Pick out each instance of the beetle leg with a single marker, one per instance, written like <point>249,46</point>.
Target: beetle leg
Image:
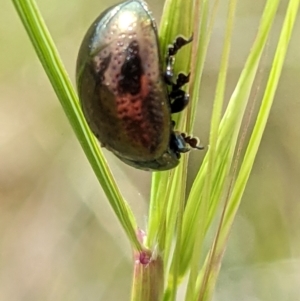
<point>177,44</point>
<point>182,79</point>
<point>180,99</point>
<point>178,144</point>
<point>182,143</point>
<point>193,142</point>
<point>170,59</point>
<point>169,71</point>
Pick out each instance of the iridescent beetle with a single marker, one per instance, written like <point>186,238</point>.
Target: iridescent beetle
<point>124,92</point>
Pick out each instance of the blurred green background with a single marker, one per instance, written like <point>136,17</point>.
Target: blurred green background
<point>59,239</point>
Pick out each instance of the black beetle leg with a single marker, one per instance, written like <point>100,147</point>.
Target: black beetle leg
<point>177,44</point>
<point>182,79</point>
<point>193,142</point>
<point>170,59</point>
<point>182,143</point>
<point>178,144</point>
<point>178,98</point>
<point>169,71</point>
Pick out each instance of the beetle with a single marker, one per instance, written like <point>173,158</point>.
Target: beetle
<point>125,96</point>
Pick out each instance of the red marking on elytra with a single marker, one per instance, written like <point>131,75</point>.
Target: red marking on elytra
<point>130,110</point>
<point>130,106</point>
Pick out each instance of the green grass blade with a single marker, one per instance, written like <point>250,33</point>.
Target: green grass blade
<point>227,140</point>
<point>247,164</point>
<point>212,154</point>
